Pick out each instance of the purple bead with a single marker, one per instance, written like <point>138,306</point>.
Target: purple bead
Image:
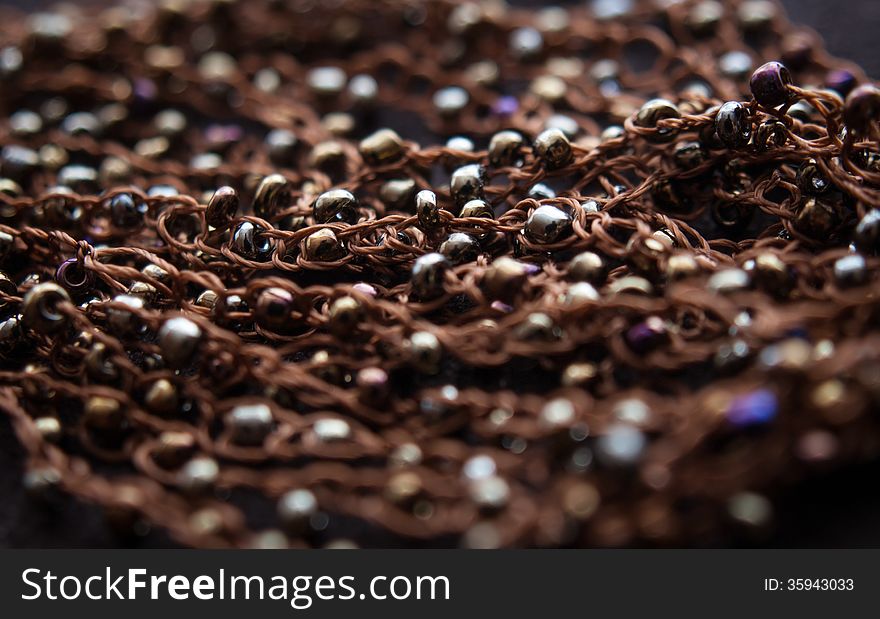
<point>646,335</point>
<point>505,106</point>
<point>755,408</point>
<point>144,89</point>
<point>769,84</point>
<point>841,81</point>
<point>223,135</point>
<point>74,277</point>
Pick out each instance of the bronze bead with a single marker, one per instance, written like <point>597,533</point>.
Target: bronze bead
<point>274,309</point>
<point>553,148</point>
<point>345,315</point>
<point>40,308</point>
<point>505,278</point>
<point>681,266</point>
<point>222,207</point>
<point>817,218</point>
<point>104,414</point>
<point>179,340</point>
<point>173,449</point>
<point>587,267</point>
<point>124,320</point>
<point>323,246</point>
<point>336,205</point>
<point>382,147</point>
<point>250,424</point>
<point>273,195</point>
<point>428,274</point>
<point>162,397</point>
<point>425,352</point>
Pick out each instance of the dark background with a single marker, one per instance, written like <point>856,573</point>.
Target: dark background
<point>838,510</point>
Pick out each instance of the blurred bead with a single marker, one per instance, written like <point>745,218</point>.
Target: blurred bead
<point>460,143</point>
<point>373,384</point>
<point>547,224</point>
<point>733,125</point>
<point>41,483</point>
<point>580,292</point>
<point>505,148</point>
<point>323,246</point>
<point>553,148</point>
<point>326,81</point>
<point>382,147</point>
<point>867,233</point>
<point>538,327</point>
<point>179,340</point>
<point>689,155</point>
<point>331,430</point>
<point>281,146</point>
<point>526,42</point>
<point>851,270</point>
<point>344,316</point>
<point>621,446</point>
<point>772,274</point>
<point>841,81</point>
<point>273,195</point>
<point>328,156</point>
<point>173,449</point>
<point>754,408</point>
<point>427,210</point>
<point>7,287</point>
<point>49,429</point>
<point>450,101</point>
<point>817,218</point>
<point>80,178</point>
<point>161,397</point>
<point>126,212</point>
<point>428,274</point>
<point>459,248</point>
<point>769,84</point>
<point>250,424</point>
<point>756,14</point>
<point>273,309</point>
<point>363,89</point>
<point>651,113</point>
<point>397,194</point>
<point>588,267</point>
<point>490,494</point>
<point>74,277</point>
<point>249,242</point>
<point>466,183</point>
<point>199,475</point>
<point>735,64</point>
<point>124,320</point>
<point>703,18</point>
<point>728,281</point>
<point>681,266</point>
<point>750,509</point>
<point>103,414</point>
<point>114,171</point>
<point>505,278</point>
<point>222,207</point>
<point>295,508</point>
<point>862,108</point>
<point>336,205</point>
<point>647,335</point>
<point>541,191</point>
<point>425,351</point>
<point>40,308</point>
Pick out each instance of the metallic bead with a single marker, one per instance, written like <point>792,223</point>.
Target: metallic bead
<point>553,148</point>
<point>810,179</point>
<point>460,247</point>
<point>505,148</point>
<point>579,374</point>
<point>373,384</point>
<point>427,210</point>
<point>326,81</point>
<point>735,64</point>
<point>756,14</point>
<point>207,299</point>
<point>363,89</point>
<point>772,274</point>
<point>99,366</point>
<point>80,178</point>
<point>274,309</point>
<point>568,125</point>
<point>173,449</point>
<point>450,101</point>
<point>547,224</point>
<point>490,494</point>
<point>428,274</point>
<point>42,483</point>
<point>466,183</point>
<point>862,108</point>
<point>541,191</point>
<point>477,208</point>
<point>179,341</point>
<point>817,218</point>
<point>10,336</point>
<point>170,123</point>
<point>526,43</point>
<point>538,326</point>
<point>728,281</point>
<point>397,194</point>
<point>382,147</point>
<point>124,320</point>
<point>295,508</point>
<point>770,134</point>
<point>651,113</point>
<point>867,233</point>
<point>851,270</point>
<point>7,244</point>
<point>733,125</point>
<point>281,146</point>
<point>579,292</point>
<point>222,207</point>
<point>7,287</point>
<point>273,194</point>
<point>104,414</point>
<point>621,446</point>
<point>769,84</point>
<point>331,430</point>
<point>689,155</point>
<point>323,246</point>
<point>74,277</point>
<point>49,428</point>
<point>40,308</point>
<point>336,205</point>
<point>249,242</point>
<point>126,212</point>
<point>587,267</point>
<point>250,424</point>
<point>161,397</point>
<point>18,162</point>
<point>425,352</point>
<point>403,488</point>
<point>460,143</point>
<point>345,315</point>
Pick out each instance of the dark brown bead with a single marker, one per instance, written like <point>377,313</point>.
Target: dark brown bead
<point>336,205</point>
<point>810,179</point>
<point>587,267</point>
<point>862,108</point>
<point>7,243</point>
<point>123,319</point>
<point>652,112</point>
<point>689,155</point>
<point>460,247</point>
<point>40,308</point>
<point>771,274</point>
<point>374,385</point>
<point>382,147</point>
<point>397,194</point>
<point>104,414</point>
<point>222,207</point>
<point>427,211</point>
<point>173,449</point>
<point>274,309</point>
<point>867,234</point>
<point>770,134</point>
<point>249,241</point>
<point>323,246</point>
<point>817,218</point>
<point>273,195</point>
<point>547,224</point>
<point>10,336</point>
<point>99,366</point>
<point>769,84</point>
<point>161,397</point>
<point>553,148</point>
<point>733,125</point>
<point>428,274</point>
<point>505,148</point>
<point>250,424</point>
<point>179,341</point>
<point>466,183</point>
<point>505,278</point>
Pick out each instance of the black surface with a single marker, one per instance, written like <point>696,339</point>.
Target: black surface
<point>840,510</point>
